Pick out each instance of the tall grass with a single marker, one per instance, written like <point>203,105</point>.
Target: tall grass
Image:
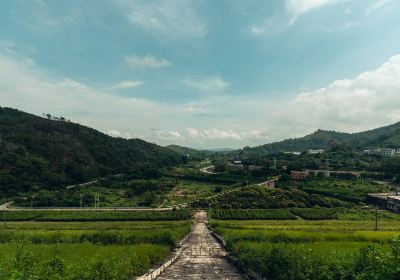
<point>77,261</point>
<point>314,249</point>
<point>85,250</point>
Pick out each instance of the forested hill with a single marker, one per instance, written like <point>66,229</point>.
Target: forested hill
<point>39,152</point>
<point>388,136</point>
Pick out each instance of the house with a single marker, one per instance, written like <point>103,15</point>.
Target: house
<point>390,201</point>
<point>298,175</point>
<point>385,152</point>
<point>255,167</point>
<point>315,152</point>
<point>292,153</point>
<point>393,203</point>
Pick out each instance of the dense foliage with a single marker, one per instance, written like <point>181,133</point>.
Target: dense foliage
<point>347,190</point>
<point>36,152</point>
<point>251,214</point>
<point>315,213</point>
<point>314,250</point>
<point>258,197</point>
<point>76,215</point>
<point>91,251</point>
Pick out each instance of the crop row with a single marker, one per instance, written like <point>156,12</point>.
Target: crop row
<point>67,216</point>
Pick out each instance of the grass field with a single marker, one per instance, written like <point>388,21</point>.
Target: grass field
<point>315,213</point>
<point>301,249</point>
<point>187,191</point>
<point>71,215</point>
<point>86,250</point>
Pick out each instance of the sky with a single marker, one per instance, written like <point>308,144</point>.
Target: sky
<point>204,73</point>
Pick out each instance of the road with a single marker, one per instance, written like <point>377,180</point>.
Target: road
<point>202,257</point>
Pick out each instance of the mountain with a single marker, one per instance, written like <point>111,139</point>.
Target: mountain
<point>184,150</point>
<point>197,154</point>
<point>388,136</point>
<point>44,152</point>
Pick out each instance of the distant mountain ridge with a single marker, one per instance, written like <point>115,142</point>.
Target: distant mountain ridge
<point>196,152</point>
<point>387,136</point>
<point>36,152</point>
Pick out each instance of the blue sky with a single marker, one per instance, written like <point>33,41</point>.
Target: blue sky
<point>204,73</point>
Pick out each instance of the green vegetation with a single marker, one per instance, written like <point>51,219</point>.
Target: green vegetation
<point>112,250</point>
<point>346,190</point>
<point>259,197</point>
<point>314,250</point>
<point>322,139</point>
<point>315,213</point>
<point>76,215</point>
<point>124,191</point>
<point>258,214</point>
<point>39,153</point>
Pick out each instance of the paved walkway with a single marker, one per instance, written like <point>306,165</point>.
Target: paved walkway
<point>202,257</point>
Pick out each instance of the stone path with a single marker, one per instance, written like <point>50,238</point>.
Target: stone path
<point>202,257</point>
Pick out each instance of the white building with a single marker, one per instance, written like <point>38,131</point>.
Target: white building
<point>314,152</point>
<point>386,152</point>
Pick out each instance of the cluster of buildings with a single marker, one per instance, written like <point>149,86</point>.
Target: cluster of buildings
<point>304,174</point>
<point>385,152</point>
<point>311,152</point>
<point>390,201</point>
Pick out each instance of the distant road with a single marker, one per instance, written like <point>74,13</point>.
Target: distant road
<point>89,183</point>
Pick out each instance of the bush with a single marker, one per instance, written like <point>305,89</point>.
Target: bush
<point>315,213</point>
<point>252,214</point>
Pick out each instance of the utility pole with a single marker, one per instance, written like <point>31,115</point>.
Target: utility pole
<point>98,201</point>
<point>95,201</point>
<point>81,201</point>
<point>4,216</point>
<point>274,167</point>
<point>376,218</point>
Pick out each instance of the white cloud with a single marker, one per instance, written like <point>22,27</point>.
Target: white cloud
<point>117,134</point>
<point>169,18</point>
<point>351,24</point>
<point>213,134</point>
<point>24,85</point>
<point>375,6</point>
<point>219,134</point>
<point>127,84</point>
<point>170,136</point>
<point>259,29</point>
<point>42,16</point>
<point>296,8</point>
<point>147,61</point>
<point>370,100</point>
<point>208,84</point>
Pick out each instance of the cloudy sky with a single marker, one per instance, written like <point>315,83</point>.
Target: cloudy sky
<point>204,73</point>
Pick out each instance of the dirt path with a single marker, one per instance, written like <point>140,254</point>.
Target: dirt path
<point>202,257</point>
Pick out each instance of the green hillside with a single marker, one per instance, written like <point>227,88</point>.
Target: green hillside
<point>187,151</point>
<point>388,136</point>
<point>38,152</point>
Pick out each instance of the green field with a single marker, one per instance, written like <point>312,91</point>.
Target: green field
<point>76,215</point>
<point>314,249</point>
<point>122,192</point>
<point>86,250</point>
